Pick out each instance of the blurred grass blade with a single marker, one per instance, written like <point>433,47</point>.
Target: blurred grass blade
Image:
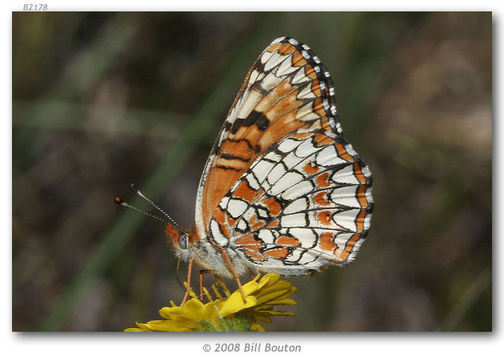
<point>77,78</point>
<point>466,301</point>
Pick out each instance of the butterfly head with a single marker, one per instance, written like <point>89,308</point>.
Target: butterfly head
<point>180,239</point>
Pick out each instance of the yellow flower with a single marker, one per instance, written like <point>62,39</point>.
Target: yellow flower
<point>227,313</point>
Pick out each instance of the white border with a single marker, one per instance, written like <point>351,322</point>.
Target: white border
<point>123,346</point>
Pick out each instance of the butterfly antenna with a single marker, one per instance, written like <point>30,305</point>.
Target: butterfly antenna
<point>137,191</point>
<point>119,201</point>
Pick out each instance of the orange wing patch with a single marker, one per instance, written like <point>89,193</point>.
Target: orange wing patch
<point>358,173</point>
<point>255,255</point>
<point>273,205</point>
<point>310,72</point>
<point>274,47</point>
<point>249,242</point>
<point>274,224</point>
<point>310,169</point>
<point>342,153</point>
<point>278,253</point>
<point>326,242</point>
<point>298,59</point>
<point>288,241</point>
<point>322,139</point>
<point>322,180</point>
<point>256,224</point>
<point>324,217</point>
<point>361,196</point>
<point>359,221</point>
<point>343,254</point>
<point>321,199</point>
<point>286,49</point>
<point>244,192</point>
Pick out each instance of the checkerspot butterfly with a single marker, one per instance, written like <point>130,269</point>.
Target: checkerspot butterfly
<point>282,190</point>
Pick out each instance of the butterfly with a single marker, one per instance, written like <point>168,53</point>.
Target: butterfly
<point>282,191</point>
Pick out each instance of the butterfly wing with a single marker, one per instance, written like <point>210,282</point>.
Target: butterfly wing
<point>286,90</point>
<point>304,203</point>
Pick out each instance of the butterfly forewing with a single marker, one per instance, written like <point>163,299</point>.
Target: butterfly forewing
<point>286,91</point>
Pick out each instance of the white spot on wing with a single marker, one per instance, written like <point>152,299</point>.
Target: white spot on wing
<point>306,93</point>
<point>369,196</point>
<point>262,213</point>
<point>367,222</point>
<point>253,76</point>
<point>350,150</point>
<point>273,156</point>
<point>293,220</point>
<point>236,207</point>
<point>266,236</point>
<point>300,76</point>
<point>346,219</point>
<point>345,176</point>
<point>261,170</point>
<point>252,182</point>
<point>248,104</point>
<point>288,145</point>
<point>270,81</point>
<point>306,148</point>
<point>276,173</point>
<point>345,196</point>
<point>291,160</point>
<point>328,156</point>
<point>365,170</point>
<point>305,236</point>
<point>298,190</point>
<point>266,56</point>
<point>287,181</point>
<point>296,206</point>
<point>216,233</point>
<point>242,225</point>
<point>274,61</point>
<point>224,202</point>
<point>306,113</point>
<point>342,238</point>
<point>286,67</point>
<point>306,258</point>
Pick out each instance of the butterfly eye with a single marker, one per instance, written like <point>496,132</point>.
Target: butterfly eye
<point>183,241</point>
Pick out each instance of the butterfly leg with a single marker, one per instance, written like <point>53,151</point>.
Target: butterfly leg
<point>188,288</point>
<point>230,267</point>
<point>201,273</point>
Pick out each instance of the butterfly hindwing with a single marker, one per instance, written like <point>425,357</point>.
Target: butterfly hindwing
<point>304,203</point>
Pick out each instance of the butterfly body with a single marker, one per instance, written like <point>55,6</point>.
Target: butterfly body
<point>282,190</point>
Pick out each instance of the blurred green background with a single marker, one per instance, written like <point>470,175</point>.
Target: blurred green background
<point>101,100</point>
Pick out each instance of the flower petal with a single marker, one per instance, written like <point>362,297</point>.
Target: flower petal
<point>235,304</point>
<point>262,295</point>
